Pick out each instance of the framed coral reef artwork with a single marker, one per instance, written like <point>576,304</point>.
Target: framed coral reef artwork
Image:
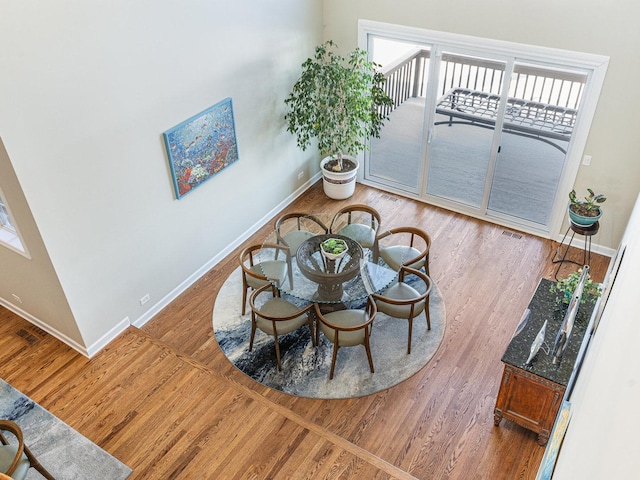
<point>201,147</point>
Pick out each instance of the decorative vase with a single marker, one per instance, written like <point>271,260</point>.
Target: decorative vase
<point>334,256</point>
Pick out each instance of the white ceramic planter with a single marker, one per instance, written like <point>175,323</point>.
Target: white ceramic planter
<point>334,256</point>
<point>339,185</point>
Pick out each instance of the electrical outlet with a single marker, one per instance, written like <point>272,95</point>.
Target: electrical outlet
<point>145,299</point>
<point>586,160</point>
<point>300,175</point>
<point>16,298</point>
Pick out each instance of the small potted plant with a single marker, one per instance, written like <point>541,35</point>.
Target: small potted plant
<point>339,102</point>
<point>333,248</point>
<point>585,212</point>
<point>566,286</point>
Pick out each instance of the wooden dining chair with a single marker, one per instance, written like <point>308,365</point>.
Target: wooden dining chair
<point>359,222</point>
<point>407,246</point>
<point>276,316</point>
<point>347,328</point>
<point>292,229</point>
<point>402,300</point>
<point>257,271</point>
<point>16,459</point>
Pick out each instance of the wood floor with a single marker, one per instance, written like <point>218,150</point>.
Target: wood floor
<point>165,401</point>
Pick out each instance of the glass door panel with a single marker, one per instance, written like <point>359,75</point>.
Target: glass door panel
<point>461,139</point>
<point>396,158</point>
<point>538,123</point>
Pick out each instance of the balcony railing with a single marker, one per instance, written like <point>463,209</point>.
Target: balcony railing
<point>542,103</point>
<point>542,95</point>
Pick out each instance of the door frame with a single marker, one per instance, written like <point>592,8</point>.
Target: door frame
<point>594,65</point>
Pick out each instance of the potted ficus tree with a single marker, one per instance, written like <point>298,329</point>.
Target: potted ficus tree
<point>585,212</point>
<point>337,101</point>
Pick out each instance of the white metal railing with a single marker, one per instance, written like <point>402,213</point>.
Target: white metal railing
<point>407,77</point>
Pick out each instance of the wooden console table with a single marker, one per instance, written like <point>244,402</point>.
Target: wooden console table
<point>530,396</point>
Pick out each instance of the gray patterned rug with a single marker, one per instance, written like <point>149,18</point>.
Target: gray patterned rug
<point>305,369</point>
<point>65,453</point>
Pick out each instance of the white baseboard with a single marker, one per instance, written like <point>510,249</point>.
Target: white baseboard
<point>103,341</point>
<point>191,279</point>
<point>47,328</point>
<point>579,242</point>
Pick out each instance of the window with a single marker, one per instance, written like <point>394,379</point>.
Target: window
<point>9,236</point>
<point>5,221</point>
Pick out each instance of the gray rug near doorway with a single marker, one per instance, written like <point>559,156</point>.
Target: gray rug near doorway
<point>65,453</point>
<point>305,369</point>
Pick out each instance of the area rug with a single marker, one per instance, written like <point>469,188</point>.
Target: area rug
<point>305,368</point>
<point>65,453</point>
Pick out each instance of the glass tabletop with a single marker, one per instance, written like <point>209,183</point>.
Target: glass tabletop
<point>307,274</point>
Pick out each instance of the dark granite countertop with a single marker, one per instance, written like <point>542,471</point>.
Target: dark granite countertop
<point>547,306</point>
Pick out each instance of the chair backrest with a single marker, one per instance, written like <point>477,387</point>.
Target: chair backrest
<point>249,257</point>
<point>292,229</point>
<point>277,316</point>
<point>417,238</point>
<point>348,215</point>
<point>370,310</point>
<point>404,271</point>
<point>257,310</point>
<point>303,221</point>
<point>12,427</point>
<point>24,459</point>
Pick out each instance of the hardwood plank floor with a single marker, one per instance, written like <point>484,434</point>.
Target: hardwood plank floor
<point>166,402</point>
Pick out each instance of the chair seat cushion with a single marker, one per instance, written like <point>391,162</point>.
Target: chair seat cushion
<point>295,238</point>
<point>403,292</point>
<point>273,269</point>
<point>7,454</point>
<point>363,234</point>
<point>396,255</point>
<point>346,318</point>
<point>278,307</point>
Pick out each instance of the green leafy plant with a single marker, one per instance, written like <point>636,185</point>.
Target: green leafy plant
<point>334,246</point>
<point>337,100</point>
<point>566,287</point>
<point>589,207</point>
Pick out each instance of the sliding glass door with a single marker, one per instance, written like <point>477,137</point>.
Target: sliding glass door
<point>541,113</point>
<point>476,130</point>
<point>462,138</point>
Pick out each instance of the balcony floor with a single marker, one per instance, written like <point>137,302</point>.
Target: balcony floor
<point>525,179</point>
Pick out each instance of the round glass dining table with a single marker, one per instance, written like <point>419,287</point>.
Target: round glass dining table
<point>307,275</point>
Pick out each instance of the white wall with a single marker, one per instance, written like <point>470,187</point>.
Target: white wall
<point>605,28</point>
<point>86,90</point>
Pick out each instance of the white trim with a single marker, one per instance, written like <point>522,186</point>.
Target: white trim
<point>481,45</point>
<point>47,328</point>
<point>111,335</point>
